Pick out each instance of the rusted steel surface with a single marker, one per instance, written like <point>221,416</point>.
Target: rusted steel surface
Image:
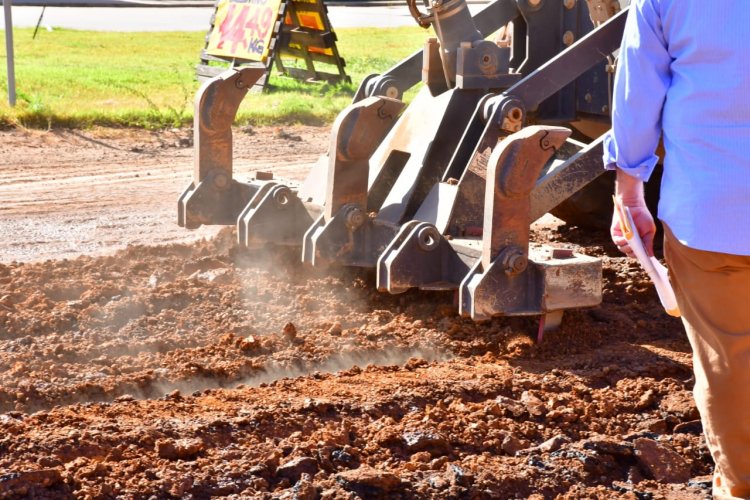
<point>427,132</point>
<point>356,134</point>
<point>508,278</point>
<point>420,257</point>
<point>214,197</point>
<point>511,174</point>
<point>601,10</point>
<point>275,215</point>
<point>566,179</point>
<point>216,106</point>
<point>344,233</point>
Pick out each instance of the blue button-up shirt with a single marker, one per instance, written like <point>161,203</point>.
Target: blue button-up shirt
<point>684,74</point>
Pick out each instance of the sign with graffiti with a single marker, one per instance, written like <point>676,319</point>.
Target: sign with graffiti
<point>293,35</point>
<point>243,29</point>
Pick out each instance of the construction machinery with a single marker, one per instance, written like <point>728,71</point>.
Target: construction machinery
<point>440,195</point>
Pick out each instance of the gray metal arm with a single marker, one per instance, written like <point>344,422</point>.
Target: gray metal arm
<point>407,73</point>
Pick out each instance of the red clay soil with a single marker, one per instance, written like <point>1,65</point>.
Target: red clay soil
<point>190,370</point>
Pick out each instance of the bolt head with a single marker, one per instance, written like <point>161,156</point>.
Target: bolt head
<point>355,217</point>
<point>221,180</point>
<point>514,261</point>
<point>518,263</point>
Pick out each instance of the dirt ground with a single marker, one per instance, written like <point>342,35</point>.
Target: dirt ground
<point>64,193</point>
<point>138,360</point>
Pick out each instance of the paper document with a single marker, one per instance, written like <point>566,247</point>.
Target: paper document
<point>656,271</point>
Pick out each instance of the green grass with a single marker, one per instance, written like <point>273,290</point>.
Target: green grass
<point>68,78</point>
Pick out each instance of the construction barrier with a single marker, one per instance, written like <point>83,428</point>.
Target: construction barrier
<point>307,35</point>
<point>261,32</point>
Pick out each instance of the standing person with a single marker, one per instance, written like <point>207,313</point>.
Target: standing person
<point>684,75</point>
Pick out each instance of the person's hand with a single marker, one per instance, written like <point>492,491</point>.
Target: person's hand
<point>629,190</point>
<point>644,225</point>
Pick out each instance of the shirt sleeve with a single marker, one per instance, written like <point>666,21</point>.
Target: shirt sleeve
<point>643,77</point>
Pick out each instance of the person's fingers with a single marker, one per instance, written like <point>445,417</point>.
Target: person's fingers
<point>647,231</point>
<point>615,233</point>
<point>626,250</point>
<point>614,229</point>
<point>648,243</point>
<point>644,225</point>
<point>622,245</point>
<point>619,240</point>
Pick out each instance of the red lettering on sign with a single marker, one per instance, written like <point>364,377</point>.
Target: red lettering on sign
<point>234,33</point>
<point>265,21</point>
<point>259,22</point>
<point>243,29</point>
<point>252,24</point>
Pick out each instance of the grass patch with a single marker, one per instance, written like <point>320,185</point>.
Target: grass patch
<point>68,78</point>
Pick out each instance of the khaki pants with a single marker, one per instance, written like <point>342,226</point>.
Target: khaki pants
<point>713,292</point>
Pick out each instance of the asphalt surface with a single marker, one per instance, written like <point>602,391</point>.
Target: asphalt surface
<point>192,18</point>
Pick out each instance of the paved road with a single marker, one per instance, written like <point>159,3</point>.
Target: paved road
<point>190,19</point>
